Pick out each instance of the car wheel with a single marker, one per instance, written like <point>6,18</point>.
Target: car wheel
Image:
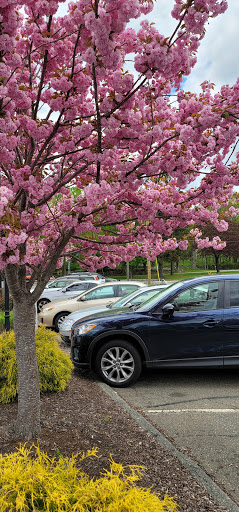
<point>118,363</point>
<point>59,319</point>
<point>41,303</point>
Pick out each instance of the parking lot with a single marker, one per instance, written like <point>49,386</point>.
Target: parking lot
<point>199,412</point>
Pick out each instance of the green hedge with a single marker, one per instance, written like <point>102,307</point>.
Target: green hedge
<point>32,481</point>
<point>54,365</point>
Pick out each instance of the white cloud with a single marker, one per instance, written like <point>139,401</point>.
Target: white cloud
<point>218,54</point>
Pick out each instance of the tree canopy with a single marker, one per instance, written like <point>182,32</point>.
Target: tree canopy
<point>72,115</point>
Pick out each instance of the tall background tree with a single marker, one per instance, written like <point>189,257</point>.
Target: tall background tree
<point>72,115</point>
<point>230,239</point>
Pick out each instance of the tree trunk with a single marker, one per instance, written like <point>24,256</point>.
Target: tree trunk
<point>160,265</point>
<point>171,267</point>
<point>28,418</point>
<point>217,256</point>
<point>194,258</point>
<point>161,276</point>
<point>127,270</point>
<point>149,271</point>
<point>159,260</point>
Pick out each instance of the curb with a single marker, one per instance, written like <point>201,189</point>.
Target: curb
<point>215,492</point>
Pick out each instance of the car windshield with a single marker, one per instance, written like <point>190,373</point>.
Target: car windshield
<point>120,302</point>
<point>150,303</point>
<point>58,284</point>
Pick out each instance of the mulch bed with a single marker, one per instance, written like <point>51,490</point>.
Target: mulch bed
<point>83,417</point>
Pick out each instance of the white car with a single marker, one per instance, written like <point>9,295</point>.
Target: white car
<point>68,292</point>
<point>61,282</point>
<point>133,299</point>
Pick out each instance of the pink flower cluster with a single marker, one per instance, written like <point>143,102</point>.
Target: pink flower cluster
<point>95,161</point>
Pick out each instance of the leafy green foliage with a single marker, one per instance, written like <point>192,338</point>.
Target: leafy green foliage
<point>54,365</point>
<point>32,481</point>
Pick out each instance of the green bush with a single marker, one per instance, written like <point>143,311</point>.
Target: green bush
<point>54,365</point>
<point>32,481</point>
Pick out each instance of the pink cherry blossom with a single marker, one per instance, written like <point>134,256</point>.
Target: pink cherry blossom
<point>94,161</point>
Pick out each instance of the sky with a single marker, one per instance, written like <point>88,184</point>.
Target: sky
<point>218,54</point>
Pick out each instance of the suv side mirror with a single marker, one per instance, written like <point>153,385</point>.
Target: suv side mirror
<point>168,309</point>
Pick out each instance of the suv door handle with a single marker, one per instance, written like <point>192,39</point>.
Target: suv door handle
<point>210,323</point>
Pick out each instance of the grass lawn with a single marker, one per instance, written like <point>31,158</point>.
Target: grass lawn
<point>178,276</point>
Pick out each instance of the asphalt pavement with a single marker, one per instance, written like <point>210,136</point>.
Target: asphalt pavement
<point>197,413</point>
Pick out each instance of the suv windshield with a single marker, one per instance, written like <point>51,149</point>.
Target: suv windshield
<point>154,300</point>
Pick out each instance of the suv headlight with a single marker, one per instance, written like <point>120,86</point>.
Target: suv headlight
<point>83,329</point>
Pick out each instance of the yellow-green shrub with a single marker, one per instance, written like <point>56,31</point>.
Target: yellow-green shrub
<point>54,365</point>
<point>34,482</point>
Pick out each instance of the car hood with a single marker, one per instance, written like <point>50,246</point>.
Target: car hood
<point>59,302</point>
<point>78,315</point>
<point>109,314</point>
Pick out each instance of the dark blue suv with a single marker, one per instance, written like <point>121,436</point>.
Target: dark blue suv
<point>192,323</point>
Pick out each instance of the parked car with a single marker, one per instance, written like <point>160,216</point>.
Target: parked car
<point>53,314</point>
<point>192,323</point>
<point>88,275</point>
<point>131,300</point>
<point>59,283</point>
<point>82,276</point>
<point>68,292</point>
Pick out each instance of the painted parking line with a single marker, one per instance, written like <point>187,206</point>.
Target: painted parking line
<point>192,410</point>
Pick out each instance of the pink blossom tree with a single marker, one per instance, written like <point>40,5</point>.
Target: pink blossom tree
<point>72,115</point>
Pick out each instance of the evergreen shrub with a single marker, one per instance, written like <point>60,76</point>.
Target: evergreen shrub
<point>54,365</point>
<point>32,481</point>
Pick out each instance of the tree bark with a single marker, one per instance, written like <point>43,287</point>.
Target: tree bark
<point>194,258</point>
<point>217,257</point>
<point>161,276</point>
<point>27,424</point>
<point>171,267</point>
<point>159,261</point>
<point>28,418</point>
<point>149,271</point>
<point>127,270</point>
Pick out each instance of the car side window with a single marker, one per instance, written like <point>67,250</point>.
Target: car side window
<point>202,297</point>
<point>58,284</point>
<point>101,293</point>
<point>75,287</point>
<point>124,289</point>
<point>233,294</point>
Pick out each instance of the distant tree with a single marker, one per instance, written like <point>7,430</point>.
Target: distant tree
<point>230,237</point>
